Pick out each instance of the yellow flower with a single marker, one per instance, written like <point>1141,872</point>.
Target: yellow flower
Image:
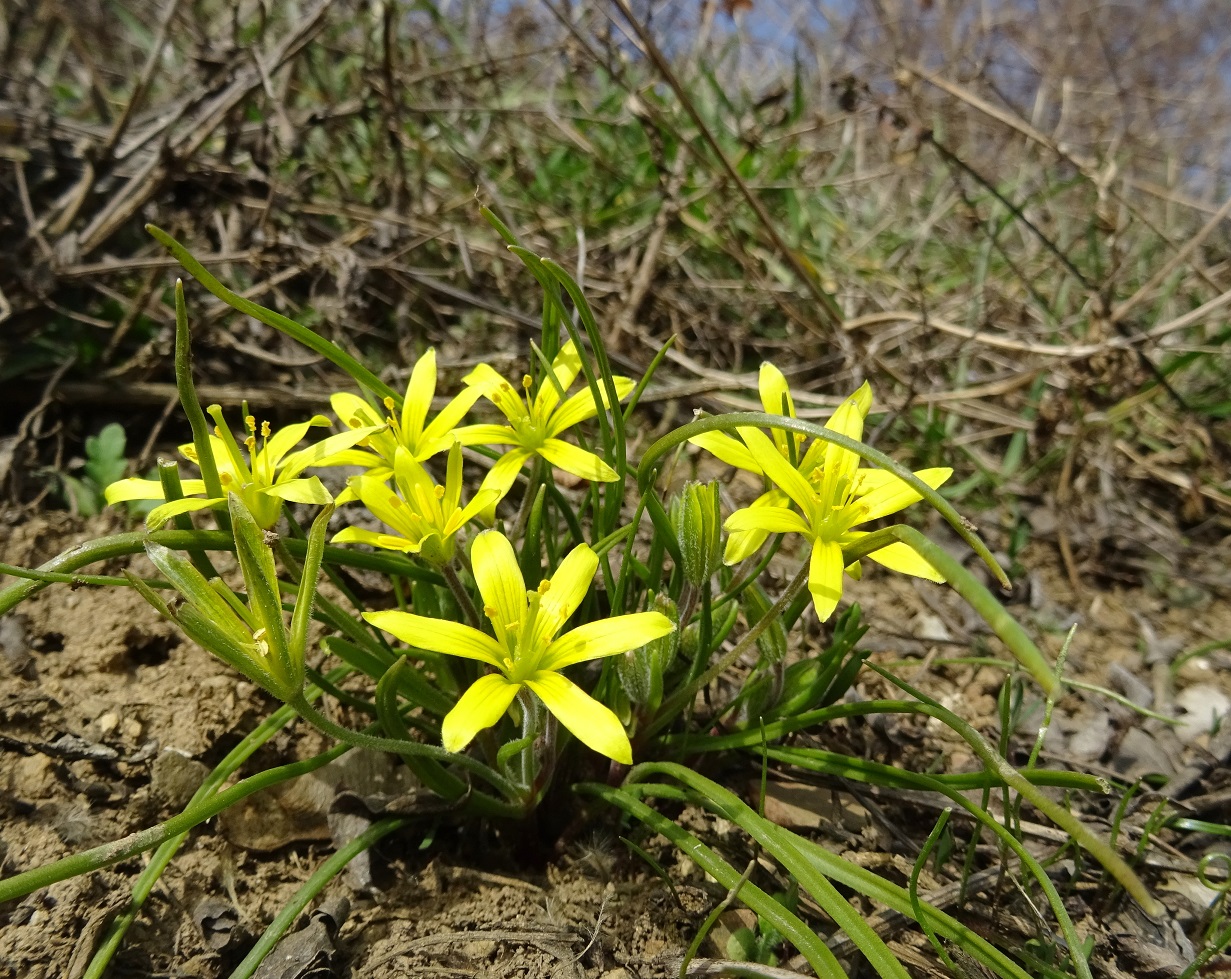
<point>776,399</point>
<point>262,477</point>
<point>411,432</point>
<point>424,515</point>
<point>526,650</point>
<point>535,425</point>
<point>834,496</point>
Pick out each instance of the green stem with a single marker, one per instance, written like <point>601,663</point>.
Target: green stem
<point>120,545</point>
<point>310,339</point>
<point>477,801</point>
<point>993,761</point>
<point>675,705</point>
<point>109,853</point>
<point>166,852</point>
<point>1007,628</point>
<point>326,872</point>
<point>462,596</point>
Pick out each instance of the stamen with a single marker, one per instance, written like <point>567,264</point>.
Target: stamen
<point>250,422</point>
<point>250,441</point>
<point>439,492</point>
<point>527,381</point>
<point>266,431</point>
<point>225,479</point>
<point>217,432</point>
<point>394,501</point>
<point>491,612</point>
<point>544,586</point>
<point>388,403</point>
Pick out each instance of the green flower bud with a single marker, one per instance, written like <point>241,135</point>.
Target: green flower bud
<point>253,638</point>
<point>641,670</point>
<point>771,642</point>
<point>697,522</point>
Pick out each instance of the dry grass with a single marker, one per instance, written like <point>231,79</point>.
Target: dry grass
<point>1015,208</point>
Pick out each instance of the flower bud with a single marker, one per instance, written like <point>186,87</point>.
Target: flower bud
<point>641,670</point>
<point>697,522</point>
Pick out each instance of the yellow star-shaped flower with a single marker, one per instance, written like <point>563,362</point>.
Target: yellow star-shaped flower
<point>526,651</point>
<point>834,496</point>
<point>536,424</point>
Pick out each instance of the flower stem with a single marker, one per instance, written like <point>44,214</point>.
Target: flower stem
<point>679,701</point>
<point>460,593</point>
<point>476,801</point>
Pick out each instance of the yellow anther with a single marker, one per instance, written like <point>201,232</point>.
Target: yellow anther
<point>438,492</point>
<point>250,441</point>
<point>544,586</point>
<point>512,625</point>
<point>266,431</point>
<point>394,501</point>
<point>527,381</point>
<point>250,422</point>
<point>217,432</point>
<point>355,421</point>
<point>388,403</point>
<point>491,612</point>
<point>225,479</point>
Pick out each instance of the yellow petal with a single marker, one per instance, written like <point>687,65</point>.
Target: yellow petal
<point>503,473</point>
<point>841,464</point>
<point>581,405</point>
<point>482,500</point>
<point>742,544</point>
<point>310,490</point>
<point>449,417</point>
<point>565,593</point>
<point>478,708</point>
<point>774,520</point>
<point>161,514</point>
<point>776,399</point>
<point>825,578</point>
<point>781,473</point>
<point>903,558</point>
<point>591,723</point>
<point>727,449</point>
<point>420,390</point>
<point>498,391</point>
<point>285,439</point>
<point>439,636</point>
<point>605,637</point>
<point>385,505</point>
<point>577,461</point>
<point>388,542</point>
<point>355,457</point>
<point>866,480</point>
<point>775,392</point>
<point>353,411</point>
<point>143,489</point>
<point>498,576</point>
<point>297,462</point>
<point>486,435</point>
<point>565,367</point>
<point>896,495</point>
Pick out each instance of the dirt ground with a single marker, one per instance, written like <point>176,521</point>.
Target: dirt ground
<point>109,719</point>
